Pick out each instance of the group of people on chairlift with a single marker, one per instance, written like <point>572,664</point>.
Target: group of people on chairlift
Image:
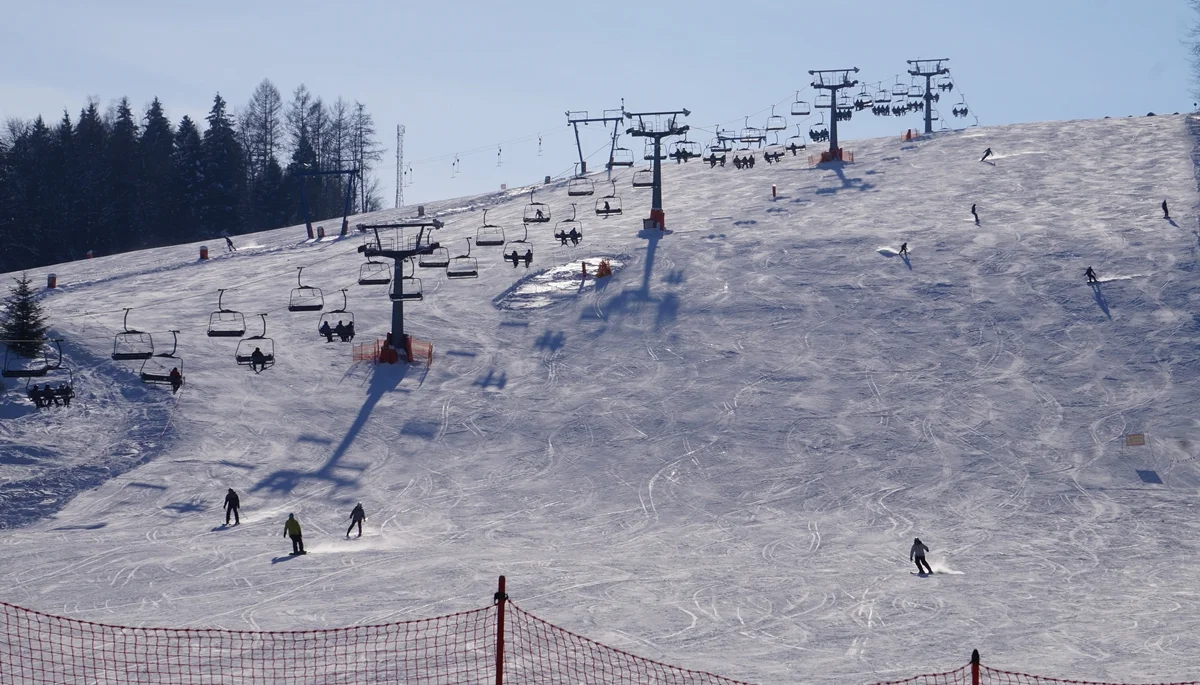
<point>516,258</point>
<point>46,395</point>
<point>344,332</point>
<point>574,236</point>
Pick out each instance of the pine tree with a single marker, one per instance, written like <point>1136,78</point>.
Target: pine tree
<point>24,325</point>
<point>188,182</point>
<point>122,163</point>
<point>156,176</point>
<point>224,173</point>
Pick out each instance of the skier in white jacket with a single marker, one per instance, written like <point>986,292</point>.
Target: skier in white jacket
<point>917,554</point>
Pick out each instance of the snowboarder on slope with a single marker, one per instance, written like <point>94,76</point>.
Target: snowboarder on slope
<point>232,504</point>
<point>1091,275</point>
<point>357,516</point>
<point>986,153</point>
<point>291,528</point>
<point>1166,214</point>
<point>903,249</point>
<point>974,213</point>
<point>917,554</point>
<point>229,245</point>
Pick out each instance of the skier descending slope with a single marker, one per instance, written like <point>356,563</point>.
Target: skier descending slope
<point>986,153</point>
<point>1091,275</point>
<point>1166,214</point>
<point>917,554</point>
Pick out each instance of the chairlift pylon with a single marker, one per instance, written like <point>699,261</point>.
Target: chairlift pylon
<point>225,323</point>
<point>489,235</point>
<point>609,205</point>
<point>536,212</point>
<point>247,346</point>
<point>130,343</point>
<point>157,369</point>
<point>463,265</point>
<point>304,298</point>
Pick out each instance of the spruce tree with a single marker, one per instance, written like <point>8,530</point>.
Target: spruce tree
<point>188,182</point>
<point>224,173</point>
<point>156,176</point>
<point>24,325</point>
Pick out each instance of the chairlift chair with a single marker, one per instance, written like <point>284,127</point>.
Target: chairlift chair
<point>796,142</point>
<point>883,97</point>
<point>410,286</point>
<point>490,235</point>
<point>609,205</point>
<point>576,187</point>
<point>775,122</point>
<point>374,273</point>
<point>335,316</point>
<point>225,323</point>
<point>751,134</point>
<point>60,382</point>
<point>16,367</point>
<point>304,298</point>
<point>536,212</point>
<point>439,258</point>
<point>246,346</point>
<point>800,107</point>
<point>720,144</point>
<point>823,100</point>
<point>899,90</point>
<point>564,229</point>
<point>157,369</point>
<point>621,156</point>
<point>515,250</point>
<point>916,90</point>
<point>463,265</point>
<point>130,343</point>
<point>643,178</point>
<point>648,152</point>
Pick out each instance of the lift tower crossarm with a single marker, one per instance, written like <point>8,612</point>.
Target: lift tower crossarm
<point>398,257</point>
<point>657,216</point>
<point>574,119</point>
<point>833,88</point>
<point>920,70</point>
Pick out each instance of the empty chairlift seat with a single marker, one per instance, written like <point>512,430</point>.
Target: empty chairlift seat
<point>304,298</point>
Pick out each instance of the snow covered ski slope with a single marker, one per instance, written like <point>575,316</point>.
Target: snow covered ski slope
<point>717,458</point>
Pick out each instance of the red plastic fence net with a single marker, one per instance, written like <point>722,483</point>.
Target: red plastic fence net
<point>40,649</point>
<point>959,676</point>
<point>995,676</point>
<point>541,653</point>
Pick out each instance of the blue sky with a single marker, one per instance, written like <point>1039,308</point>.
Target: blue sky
<point>466,77</point>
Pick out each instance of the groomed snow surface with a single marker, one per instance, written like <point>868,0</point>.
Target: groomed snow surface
<point>718,458</point>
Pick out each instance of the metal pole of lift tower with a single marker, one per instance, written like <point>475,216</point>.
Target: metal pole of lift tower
<point>376,250</point>
<point>658,218</point>
<point>833,88</point>
<point>938,70</point>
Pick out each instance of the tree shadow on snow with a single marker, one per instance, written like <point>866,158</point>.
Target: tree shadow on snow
<point>384,379</point>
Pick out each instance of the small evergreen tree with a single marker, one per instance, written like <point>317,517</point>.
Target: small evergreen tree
<point>24,324</point>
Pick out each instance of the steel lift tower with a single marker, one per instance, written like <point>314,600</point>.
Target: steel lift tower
<point>661,125</point>
<point>422,245</point>
<point>835,84</point>
<point>928,68</point>
<point>610,115</point>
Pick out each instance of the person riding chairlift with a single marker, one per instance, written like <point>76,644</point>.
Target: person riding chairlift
<point>326,331</point>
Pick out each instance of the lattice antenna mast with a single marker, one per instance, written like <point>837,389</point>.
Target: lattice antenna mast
<point>424,244</point>
<point>929,68</point>
<point>581,117</point>
<point>400,166</point>
<point>656,126</point>
<point>836,80</point>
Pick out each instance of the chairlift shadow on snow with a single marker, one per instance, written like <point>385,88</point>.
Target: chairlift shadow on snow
<point>384,379</point>
<point>1100,299</point>
<point>627,299</point>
